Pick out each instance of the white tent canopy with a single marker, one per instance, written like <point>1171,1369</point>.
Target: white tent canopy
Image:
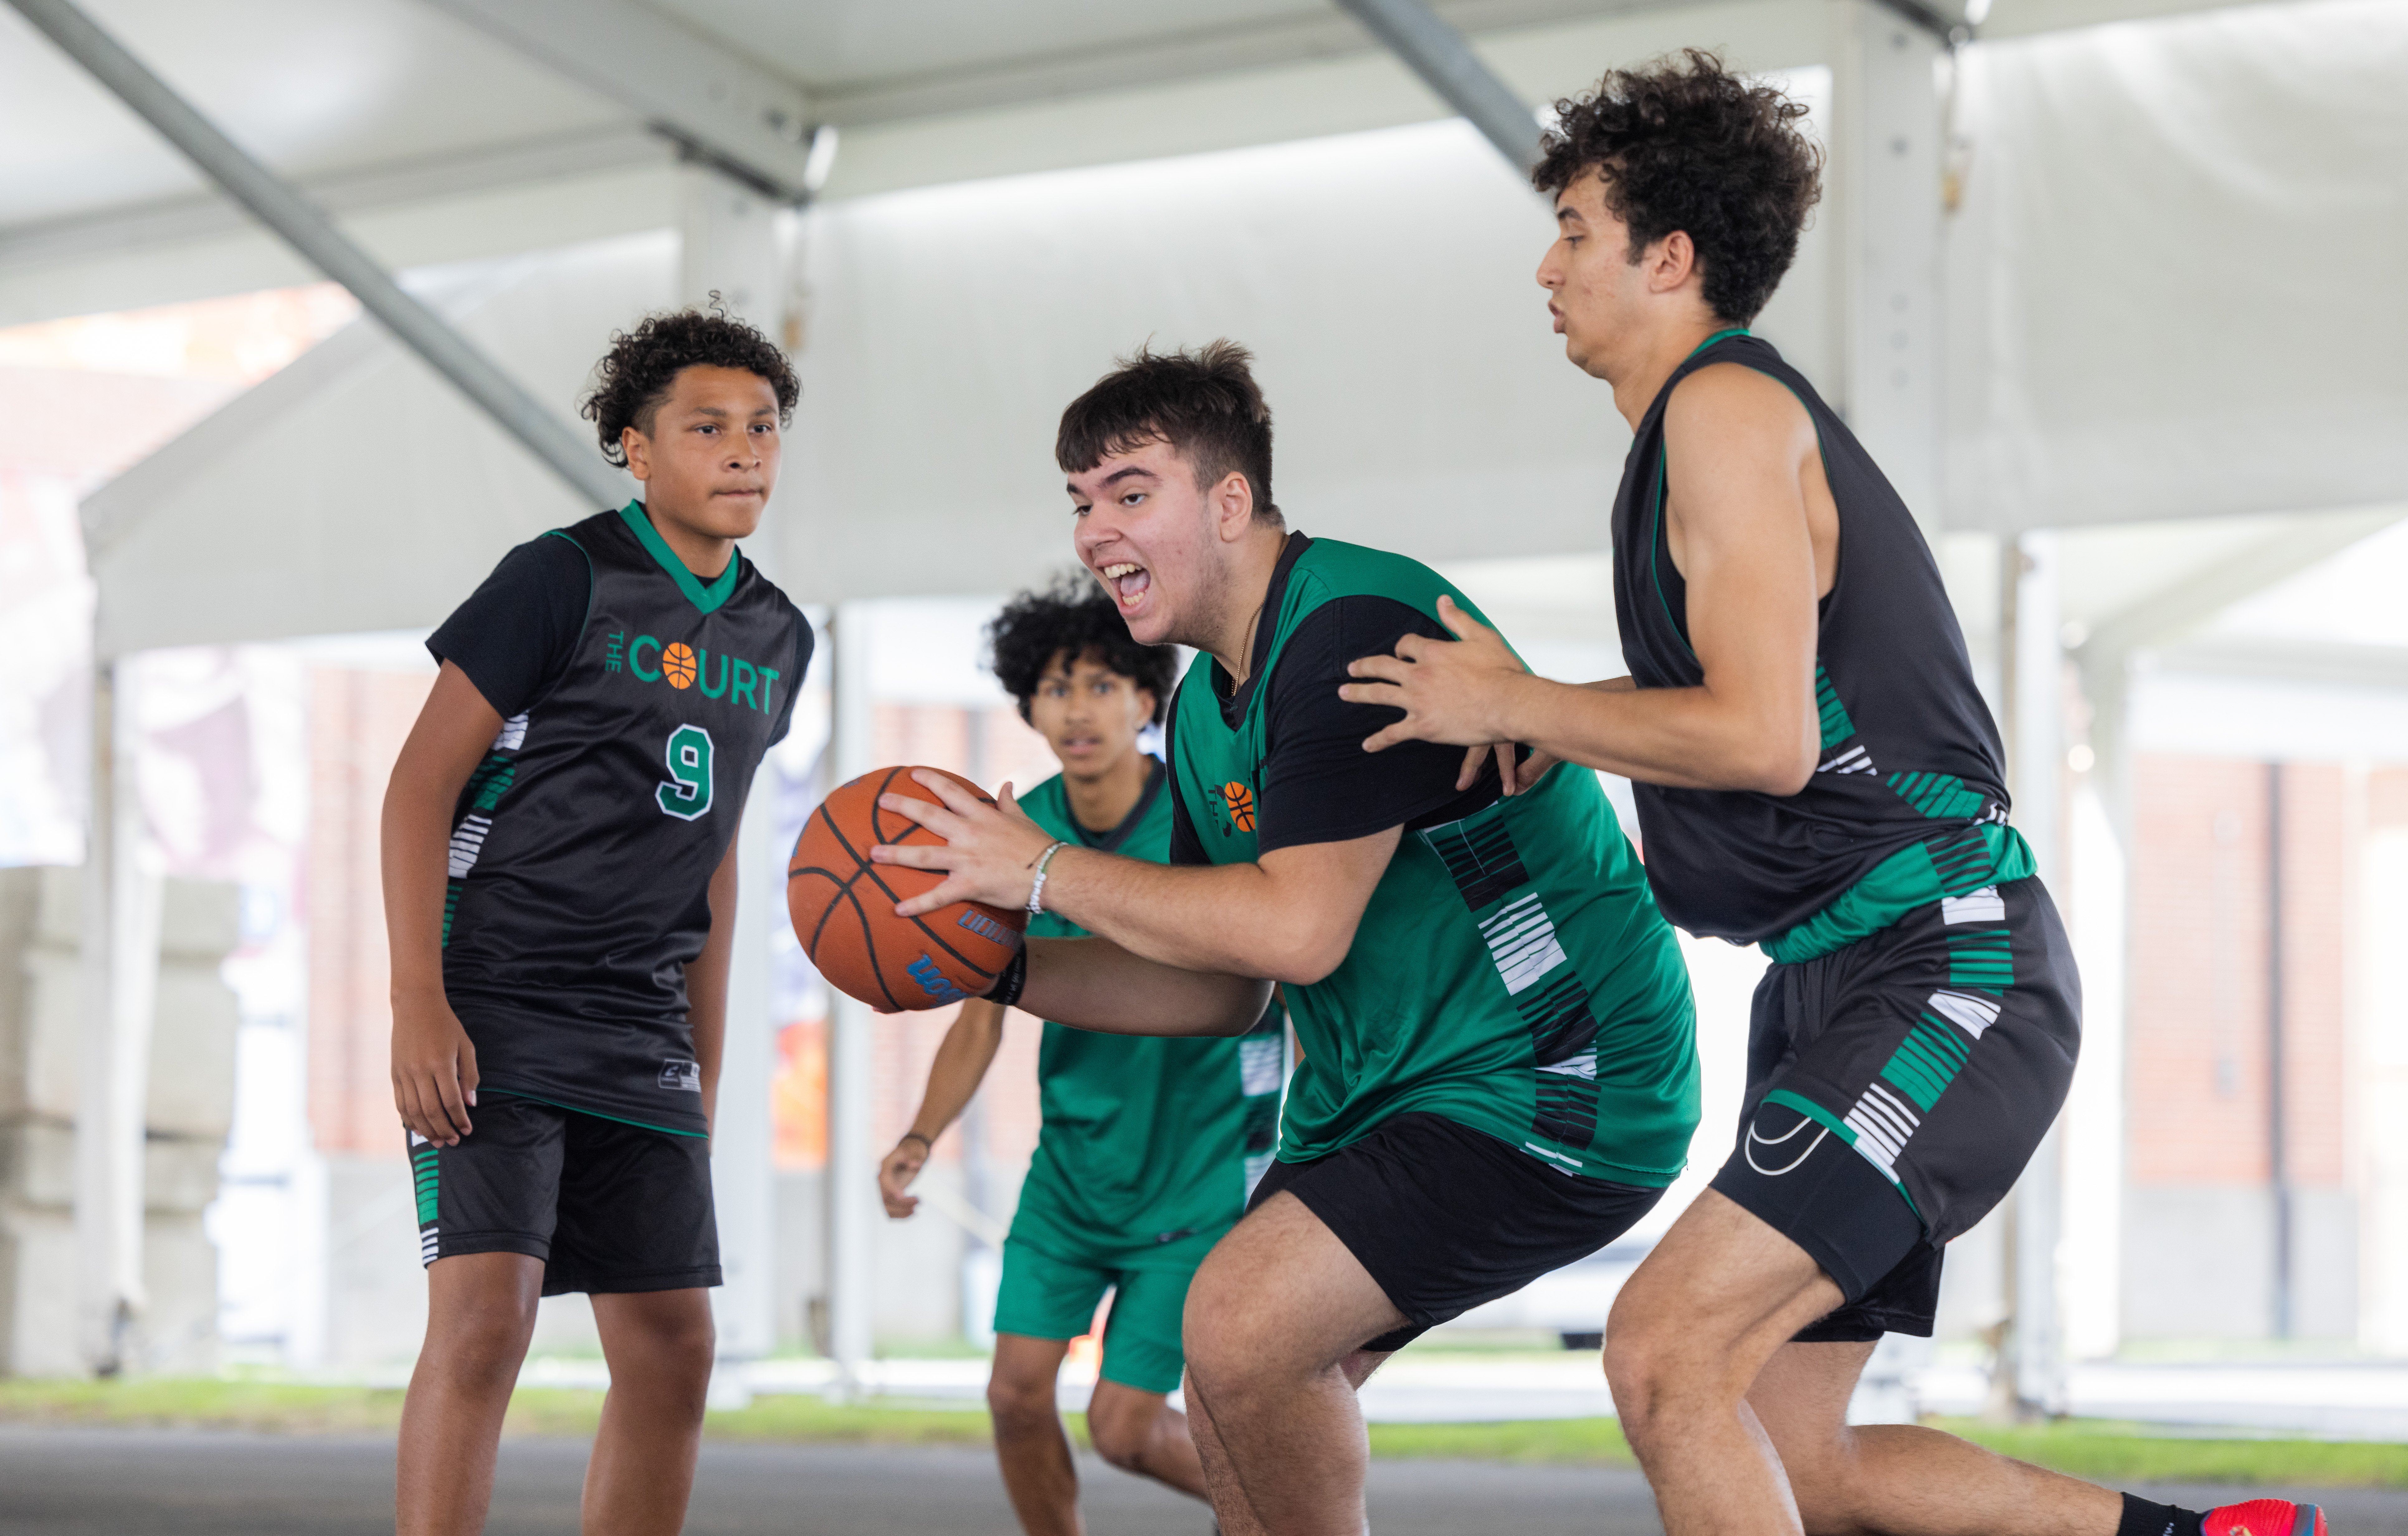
<point>2175,280</point>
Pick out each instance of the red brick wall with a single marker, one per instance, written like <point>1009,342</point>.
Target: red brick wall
<point>2197,1024</point>
<point>357,723</point>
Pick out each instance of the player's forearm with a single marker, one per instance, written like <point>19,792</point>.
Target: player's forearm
<point>1094,984</point>
<point>415,837</point>
<point>962,1057</point>
<point>1685,738</point>
<point>1237,918</point>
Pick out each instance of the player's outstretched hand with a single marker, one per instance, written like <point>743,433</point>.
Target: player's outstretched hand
<point>1450,690</point>
<point>434,1069</point>
<point>989,852</point>
<point>897,1174</point>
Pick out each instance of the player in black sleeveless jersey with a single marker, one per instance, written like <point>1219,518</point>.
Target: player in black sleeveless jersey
<point>1816,773</point>
<point>560,888</point>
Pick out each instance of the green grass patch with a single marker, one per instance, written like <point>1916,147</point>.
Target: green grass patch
<point>295,1409</point>
<point>2105,1451</point>
<point>1570,1442</point>
<point>2113,1453</point>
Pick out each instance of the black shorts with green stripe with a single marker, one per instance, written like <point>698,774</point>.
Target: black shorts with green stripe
<point>1896,1089</point>
<point>606,1206</point>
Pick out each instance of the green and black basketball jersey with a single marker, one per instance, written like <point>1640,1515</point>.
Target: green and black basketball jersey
<point>583,845</point>
<point>1146,1139</point>
<point>1510,972</point>
<point>1908,803</point>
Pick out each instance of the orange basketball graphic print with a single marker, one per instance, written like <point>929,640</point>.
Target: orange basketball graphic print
<point>1241,804</point>
<point>677,665</point>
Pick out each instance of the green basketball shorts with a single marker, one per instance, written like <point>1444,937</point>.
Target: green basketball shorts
<point>1049,1294</point>
<point>1896,1089</point>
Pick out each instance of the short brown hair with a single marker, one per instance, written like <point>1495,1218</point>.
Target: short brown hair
<point>1205,404</point>
<point>1684,144</point>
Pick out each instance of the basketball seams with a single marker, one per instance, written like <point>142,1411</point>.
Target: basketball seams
<point>873,871</point>
<point>872,930</point>
<point>844,894</point>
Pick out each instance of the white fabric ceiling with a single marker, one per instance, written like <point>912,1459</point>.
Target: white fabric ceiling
<point>2166,285</point>
<point>2175,282</point>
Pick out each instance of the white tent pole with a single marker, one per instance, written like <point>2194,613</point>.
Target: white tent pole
<point>119,983</point>
<point>1437,54</point>
<point>851,1161</point>
<point>309,232</point>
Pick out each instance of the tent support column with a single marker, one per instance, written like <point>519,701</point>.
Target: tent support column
<point>309,232</point>
<point>1445,63</point>
<point>851,1161</point>
<point>119,983</point>
<point>1883,192</point>
<point>2029,1378</point>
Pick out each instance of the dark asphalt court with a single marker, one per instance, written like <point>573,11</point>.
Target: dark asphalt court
<point>151,1483</point>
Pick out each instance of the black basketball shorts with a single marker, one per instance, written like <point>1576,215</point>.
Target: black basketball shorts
<point>606,1205</point>
<point>1896,1089</point>
<point>1444,1217</point>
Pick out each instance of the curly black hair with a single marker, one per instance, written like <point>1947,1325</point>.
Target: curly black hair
<point>1204,403</point>
<point>635,377</point>
<point>1073,619</point>
<point>1684,144</point>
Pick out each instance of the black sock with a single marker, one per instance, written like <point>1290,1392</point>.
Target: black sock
<point>2142,1518</point>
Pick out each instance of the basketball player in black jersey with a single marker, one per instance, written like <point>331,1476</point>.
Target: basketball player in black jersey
<point>560,889</point>
<point>1816,773</point>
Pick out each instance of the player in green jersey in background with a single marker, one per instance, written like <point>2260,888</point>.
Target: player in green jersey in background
<point>1150,1146</point>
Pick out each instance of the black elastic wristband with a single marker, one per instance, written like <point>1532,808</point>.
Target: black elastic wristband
<point>915,1136</point>
<point>1014,980</point>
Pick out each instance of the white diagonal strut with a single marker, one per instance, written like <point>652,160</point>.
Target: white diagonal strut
<point>752,123</point>
<point>1447,64</point>
<point>309,232</point>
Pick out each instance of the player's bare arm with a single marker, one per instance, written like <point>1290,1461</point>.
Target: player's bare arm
<point>1290,917</point>
<point>962,1057</point>
<point>706,977</point>
<point>434,1066</point>
<point>1094,984</point>
<point>1741,534</point>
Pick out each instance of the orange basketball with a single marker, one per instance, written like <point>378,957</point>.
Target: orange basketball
<point>677,665</point>
<point>843,906</point>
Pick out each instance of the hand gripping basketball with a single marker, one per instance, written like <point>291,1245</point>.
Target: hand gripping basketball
<point>843,905</point>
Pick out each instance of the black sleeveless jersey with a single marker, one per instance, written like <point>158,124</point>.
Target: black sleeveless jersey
<point>1907,803</point>
<point>584,846</point>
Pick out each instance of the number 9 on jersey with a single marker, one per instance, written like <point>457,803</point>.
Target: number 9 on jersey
<point>686,793</point>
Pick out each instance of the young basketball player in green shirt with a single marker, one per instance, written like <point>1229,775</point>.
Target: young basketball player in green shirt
<point>560,891</point>
<point>1150,1146</point>
<point>1497,1072</point>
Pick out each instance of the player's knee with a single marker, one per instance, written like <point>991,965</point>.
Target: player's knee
<point>1647,1372</point>
<point>1122,1438</point>
<point>1018,1403</point>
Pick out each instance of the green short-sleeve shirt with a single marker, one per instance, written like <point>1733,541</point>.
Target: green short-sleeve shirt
<point>1146,1140</point>
<point>1510,972</point>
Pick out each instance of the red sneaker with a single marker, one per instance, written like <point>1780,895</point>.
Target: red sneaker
<point>2265,1518</point>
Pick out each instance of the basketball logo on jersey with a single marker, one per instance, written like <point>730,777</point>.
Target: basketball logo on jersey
<point>677,665</point>
<point>1240,801</point>
<point>681,1076</point>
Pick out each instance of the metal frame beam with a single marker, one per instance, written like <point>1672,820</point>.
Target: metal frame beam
<point>721,108</point>
<point>1438,54</point>
<point>309,232</point>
